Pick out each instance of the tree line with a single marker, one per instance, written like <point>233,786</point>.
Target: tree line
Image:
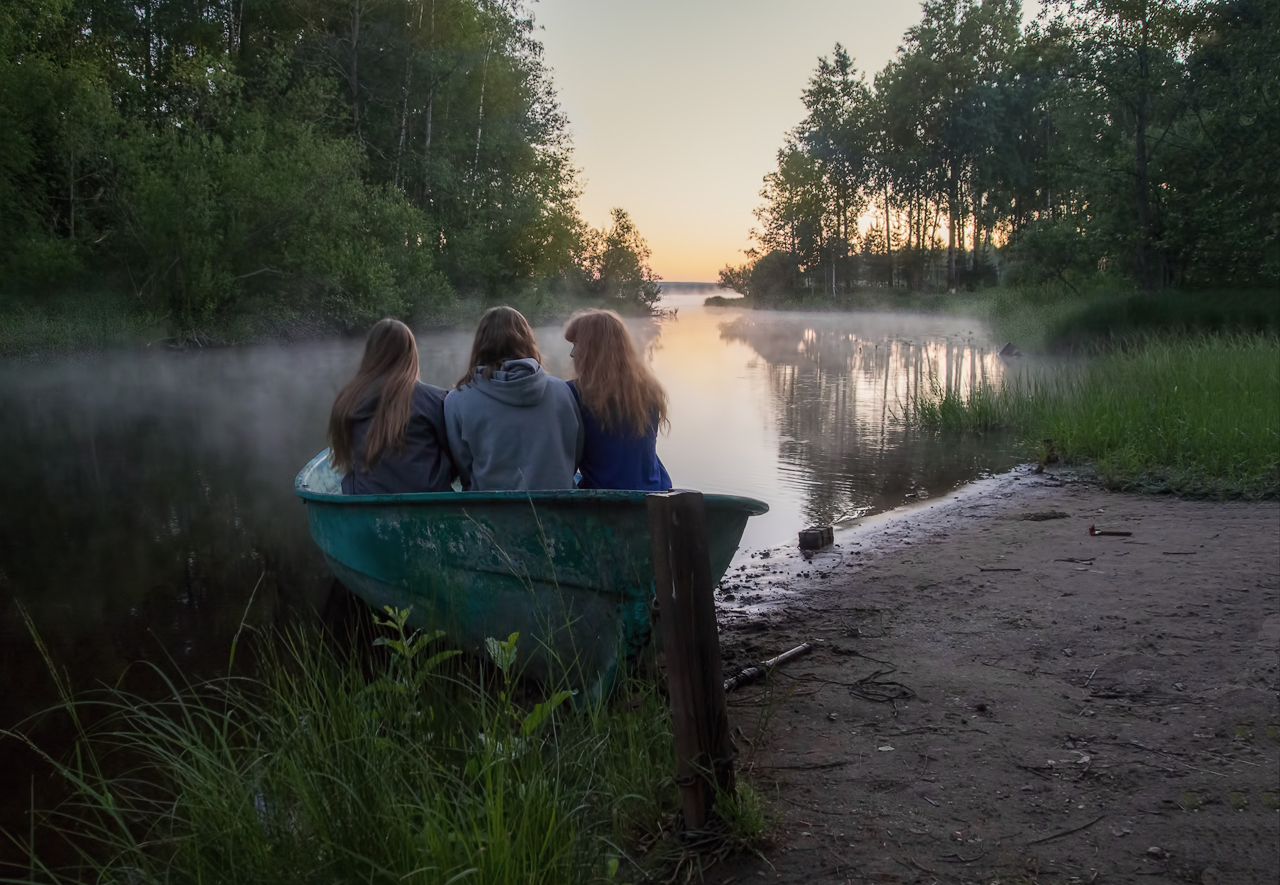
<point>338,159</point>
<point>1138,139</point>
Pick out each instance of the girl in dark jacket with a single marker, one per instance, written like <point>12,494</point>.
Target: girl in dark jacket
<point>622,406</point>
<point>386,431</point>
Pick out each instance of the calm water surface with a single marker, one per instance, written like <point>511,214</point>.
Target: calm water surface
<point>147,506</point>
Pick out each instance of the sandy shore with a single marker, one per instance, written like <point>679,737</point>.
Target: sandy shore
<point>998,696</point>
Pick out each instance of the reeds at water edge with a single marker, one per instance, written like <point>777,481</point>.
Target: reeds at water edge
<point>1194,415</point>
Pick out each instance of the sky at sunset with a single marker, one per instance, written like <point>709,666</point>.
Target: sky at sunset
<point>677,109</point>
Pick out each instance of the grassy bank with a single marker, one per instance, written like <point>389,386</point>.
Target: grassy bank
<point>1196,415</point>
<point>87,323</point>
<point>1053,318</point>
<point>75,324</point>
<point>434,770</point>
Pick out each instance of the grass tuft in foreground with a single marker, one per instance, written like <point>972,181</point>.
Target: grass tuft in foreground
<point>1191,415</point>
<point>430,772</point>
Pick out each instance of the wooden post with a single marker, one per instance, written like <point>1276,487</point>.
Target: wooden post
<point>695,678</point>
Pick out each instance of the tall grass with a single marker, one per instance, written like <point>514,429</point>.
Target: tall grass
<point>431,772</point>
<point>1192,415</point>
<point>1051,317</point>
<point>74,324</point>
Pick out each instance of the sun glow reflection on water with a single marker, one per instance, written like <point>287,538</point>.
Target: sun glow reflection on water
<point>803,410</point>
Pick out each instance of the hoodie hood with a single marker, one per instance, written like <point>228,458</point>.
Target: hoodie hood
<point>517,383</point>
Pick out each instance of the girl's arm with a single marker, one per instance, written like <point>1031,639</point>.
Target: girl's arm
<point>458,448</point>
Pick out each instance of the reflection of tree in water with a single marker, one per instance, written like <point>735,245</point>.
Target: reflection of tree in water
<point>838,389</point>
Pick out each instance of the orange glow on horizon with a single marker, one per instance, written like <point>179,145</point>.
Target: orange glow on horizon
<point>677,110</point>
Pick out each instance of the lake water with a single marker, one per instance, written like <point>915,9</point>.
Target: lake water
<point>147,503</point>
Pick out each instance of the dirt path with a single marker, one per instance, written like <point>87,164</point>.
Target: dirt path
<point>1003,699</point>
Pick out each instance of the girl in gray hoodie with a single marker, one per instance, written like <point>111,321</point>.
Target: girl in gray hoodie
<point>510,425</point>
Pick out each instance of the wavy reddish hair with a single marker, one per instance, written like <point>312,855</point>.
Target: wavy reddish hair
<point>388,370</point>
<point>615,384</point>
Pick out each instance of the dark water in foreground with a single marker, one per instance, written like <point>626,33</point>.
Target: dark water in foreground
<point>147,508</point>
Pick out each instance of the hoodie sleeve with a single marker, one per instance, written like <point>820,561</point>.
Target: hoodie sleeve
<point>458,447</point>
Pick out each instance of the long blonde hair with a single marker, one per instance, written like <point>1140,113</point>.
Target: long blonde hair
<point>615,384</point>
<point>503,334</point>
<point>389,371</point>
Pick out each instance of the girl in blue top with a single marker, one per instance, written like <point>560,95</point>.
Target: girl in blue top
<point>622,406</point>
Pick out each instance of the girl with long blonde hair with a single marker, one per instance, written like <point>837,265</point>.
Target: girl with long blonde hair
<point>622,405</point>
<point>386,429</point>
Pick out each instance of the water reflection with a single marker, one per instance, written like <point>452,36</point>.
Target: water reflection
<point>838,387</point>
<point>802,410</point>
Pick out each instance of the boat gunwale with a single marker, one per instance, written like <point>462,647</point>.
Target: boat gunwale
<point>752,506</point>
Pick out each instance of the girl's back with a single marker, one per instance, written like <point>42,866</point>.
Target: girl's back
<point>421,465</point>
<point>518,428</point>
<point>614,459</point>
<point>386,429</point>
<point>622,405</point>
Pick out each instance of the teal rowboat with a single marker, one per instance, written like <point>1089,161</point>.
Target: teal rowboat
<point>570,571</point>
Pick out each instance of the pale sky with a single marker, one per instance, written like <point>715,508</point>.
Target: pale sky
<point>678,107</point>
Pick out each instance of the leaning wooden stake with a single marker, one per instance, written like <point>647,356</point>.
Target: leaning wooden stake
<point>695,680</point>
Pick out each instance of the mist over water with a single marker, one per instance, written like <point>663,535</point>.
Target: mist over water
<point>147,497</point>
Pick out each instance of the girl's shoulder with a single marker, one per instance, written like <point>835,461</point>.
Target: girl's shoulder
<point>452,398</point>
<point>428,396</point>
<point>422,388</point>
<point>564,395</point>
<point>565,387</point>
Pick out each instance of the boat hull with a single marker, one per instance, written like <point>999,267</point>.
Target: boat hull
<point>570,571</point>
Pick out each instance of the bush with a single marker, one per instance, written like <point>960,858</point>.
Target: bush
<point>431,769</point>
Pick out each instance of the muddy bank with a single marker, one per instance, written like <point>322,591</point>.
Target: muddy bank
<point>999,696</point>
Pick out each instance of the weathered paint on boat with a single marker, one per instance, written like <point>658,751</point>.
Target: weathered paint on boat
<point>571,570</point>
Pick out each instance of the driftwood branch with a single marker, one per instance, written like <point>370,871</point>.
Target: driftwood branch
<point>1067,832</point>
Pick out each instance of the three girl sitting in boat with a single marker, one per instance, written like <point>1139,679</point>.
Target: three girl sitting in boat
<point>506,424</point>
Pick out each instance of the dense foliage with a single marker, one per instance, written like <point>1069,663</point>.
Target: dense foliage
<point>336,159</point>
<point>1138,139</point>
